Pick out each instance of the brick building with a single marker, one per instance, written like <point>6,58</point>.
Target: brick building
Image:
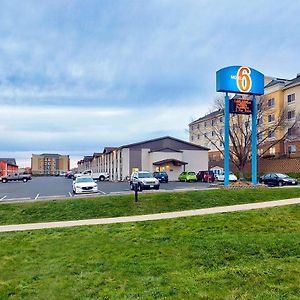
<point>8,166</point>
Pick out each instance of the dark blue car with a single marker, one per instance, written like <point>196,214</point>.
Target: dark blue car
<point>161,176</point>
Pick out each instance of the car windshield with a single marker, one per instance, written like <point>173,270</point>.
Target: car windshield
<point>84,179</point>
<point>145,175</point>
<point>192,173</point>
<point>280,175</point>
<point>162,173</point>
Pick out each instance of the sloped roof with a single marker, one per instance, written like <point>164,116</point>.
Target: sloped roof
<point>109,149</point>
<point>165,138</point>
<point>209,116</point>
<point>174,161</point>
<point>167,149</point>
<point>10,161</point>
<point>293,82</point>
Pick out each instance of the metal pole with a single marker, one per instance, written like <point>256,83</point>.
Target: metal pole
<point>254,142</point>
<point>135,192</point>
<point>226,140</point>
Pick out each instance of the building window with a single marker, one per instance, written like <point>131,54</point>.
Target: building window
<point>260,121</point>
<point>272,150</point>
<point>212,122</point>
<point>271,118</point>
<point>221,144</point>
<point>205,135</point>
<point>290,131</point>
<point>212,133</point>
<point>197,126</point>
<point>192,137</point>
<point>260,136</point>
<point>271,102</point>
<point>292,148</point>
<point>221,132</point>
<point>259,106</point>
<point>271,134</point>
<point>205,124</point>
<point>221,119</point>
<point>291,114</point>
<point>291,98</point>
<point>198,136</point>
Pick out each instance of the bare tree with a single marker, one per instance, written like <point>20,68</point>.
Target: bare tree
<point>269,132</point>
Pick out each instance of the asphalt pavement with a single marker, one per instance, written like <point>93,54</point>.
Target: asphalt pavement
<point>61,187</point>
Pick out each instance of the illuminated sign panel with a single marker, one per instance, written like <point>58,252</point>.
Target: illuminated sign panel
<point>240,106</point>
<point>239,79</point>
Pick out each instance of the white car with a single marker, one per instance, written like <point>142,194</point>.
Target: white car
<point>96,176</point>
<point>144,180</point>
<point>221,177</point>
<point>84,184</point>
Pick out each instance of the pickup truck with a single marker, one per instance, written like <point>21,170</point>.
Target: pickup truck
<point>16,177</point>
<point>96,176</point>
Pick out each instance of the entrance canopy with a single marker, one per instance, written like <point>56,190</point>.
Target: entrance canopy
<point>174,161</point>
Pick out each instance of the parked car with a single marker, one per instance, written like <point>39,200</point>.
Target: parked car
<point>69,175</point>
<point>187,176</point>
<point>206,176</point>
<point>161,176</point>
<point>143,180</point>
<point>84,184</point>
<point>277,179</point>
<point>16,177</point>
<point>96,176</point>
<point>221,177</point>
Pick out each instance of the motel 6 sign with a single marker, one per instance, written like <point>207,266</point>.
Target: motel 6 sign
<point>240,80</point>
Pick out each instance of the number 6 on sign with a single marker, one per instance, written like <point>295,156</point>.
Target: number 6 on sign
<point>243,79</point>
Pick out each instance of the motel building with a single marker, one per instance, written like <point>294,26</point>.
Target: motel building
<point>167,154</point>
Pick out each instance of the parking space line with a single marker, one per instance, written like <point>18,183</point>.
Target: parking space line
<point>103,193</point>
<point>70,194</point>
<point>36,196</point>
<point>3,198</point>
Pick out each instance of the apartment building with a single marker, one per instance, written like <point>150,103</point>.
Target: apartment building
<point>281,99</point>
<point>161,154</point>
<point>49,164</point>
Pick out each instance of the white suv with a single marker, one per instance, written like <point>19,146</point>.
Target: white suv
<point>144,180</point>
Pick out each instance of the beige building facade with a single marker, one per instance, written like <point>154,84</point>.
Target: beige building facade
<point>281,98</point>
<point>49,164</point>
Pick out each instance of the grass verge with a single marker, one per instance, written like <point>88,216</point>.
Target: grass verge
<point>244,255</point>
<point>115,206</point>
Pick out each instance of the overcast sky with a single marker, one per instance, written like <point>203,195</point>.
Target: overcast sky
<point>76,76</point>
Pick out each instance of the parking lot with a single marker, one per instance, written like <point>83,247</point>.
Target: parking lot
<point>60,187</point>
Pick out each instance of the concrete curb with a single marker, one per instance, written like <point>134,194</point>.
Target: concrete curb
<point>151,217</point>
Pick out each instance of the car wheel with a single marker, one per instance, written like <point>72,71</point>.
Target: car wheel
<point>25,180</point>
<point>102,178</point>
<point>4,180</point>
<point>140,189</point>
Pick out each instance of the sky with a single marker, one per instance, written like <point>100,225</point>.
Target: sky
<point>76,76</point>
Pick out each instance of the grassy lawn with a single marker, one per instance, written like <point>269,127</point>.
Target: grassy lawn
<point>114,206</point>
<point>249,255</point>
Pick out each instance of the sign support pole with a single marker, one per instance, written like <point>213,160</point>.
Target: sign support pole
<point>226,140</point>
<point>254,142</point>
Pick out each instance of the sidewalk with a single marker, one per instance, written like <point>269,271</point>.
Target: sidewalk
<point>152,217</point>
